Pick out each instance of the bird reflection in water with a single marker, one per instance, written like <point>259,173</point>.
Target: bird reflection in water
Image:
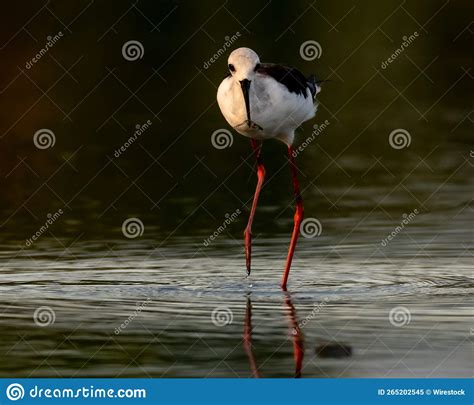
<point>295,331</point>
<point>248,339</point>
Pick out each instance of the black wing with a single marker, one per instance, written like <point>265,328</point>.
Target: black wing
<point>291,78</point>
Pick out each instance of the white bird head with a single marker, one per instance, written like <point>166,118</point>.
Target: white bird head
<point>243,63</point>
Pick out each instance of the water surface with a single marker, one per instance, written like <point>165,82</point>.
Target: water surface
<point>367,297</point>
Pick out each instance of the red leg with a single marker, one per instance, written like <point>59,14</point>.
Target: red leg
<point>248,339</point>
<point>257,148</point>
<point>297,219</point>
<point>298,345</point>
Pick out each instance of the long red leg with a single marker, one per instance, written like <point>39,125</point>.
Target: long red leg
<point>257,148</point>
<point>248,339</point>
<point>297,219</point>
<point>298,345</point>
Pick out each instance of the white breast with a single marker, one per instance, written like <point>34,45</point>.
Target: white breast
<point>276,110</point>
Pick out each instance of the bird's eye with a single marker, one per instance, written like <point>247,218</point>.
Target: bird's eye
<point>231,67</point>
<point>257,66</point>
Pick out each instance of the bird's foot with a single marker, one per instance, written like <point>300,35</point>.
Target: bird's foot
<point>248,249</point>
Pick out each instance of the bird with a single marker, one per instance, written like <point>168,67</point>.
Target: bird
<point>267,101</point>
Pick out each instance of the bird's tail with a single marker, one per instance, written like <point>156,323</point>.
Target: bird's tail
<point>314,85</point>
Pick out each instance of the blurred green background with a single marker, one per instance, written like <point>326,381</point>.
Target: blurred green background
<point>172,177</point>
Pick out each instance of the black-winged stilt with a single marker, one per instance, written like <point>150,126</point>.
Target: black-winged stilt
<point>264,101</point>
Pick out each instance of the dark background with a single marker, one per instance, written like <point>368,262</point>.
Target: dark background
<point>172,177</point>
<point>91,276</point>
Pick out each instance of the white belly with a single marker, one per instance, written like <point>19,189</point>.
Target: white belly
<point>272,107</point>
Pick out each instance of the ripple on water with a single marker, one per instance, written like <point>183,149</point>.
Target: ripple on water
<point>167,303</point>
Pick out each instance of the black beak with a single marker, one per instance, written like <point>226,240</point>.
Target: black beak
<point>245,84</point>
